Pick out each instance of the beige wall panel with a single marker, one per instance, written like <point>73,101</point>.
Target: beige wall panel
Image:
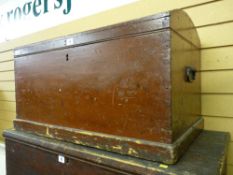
<point>218,35</point>
<point>124,13</point>
<point>230,154</point>
<point>6,56</point>
<point>7,106</point>
<point>212,13</point>
<point>6,66</point>
<point>1,137</point>
<point>7,86</point>
<point>5,124</point>
<point>217,105</point>
<point>219,124</point>
<point>6,76</point>
<point>218,58</point>
<point>230,170</point>
<point>7,115</point>
<point>7,96</point>
<point>217,81</point>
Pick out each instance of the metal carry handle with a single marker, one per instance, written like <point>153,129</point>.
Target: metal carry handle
<point>190,74</point>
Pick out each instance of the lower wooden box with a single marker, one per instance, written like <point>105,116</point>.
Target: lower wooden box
<point>27,154</point>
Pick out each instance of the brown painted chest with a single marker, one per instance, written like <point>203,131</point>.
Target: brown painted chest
<point>131,88</point>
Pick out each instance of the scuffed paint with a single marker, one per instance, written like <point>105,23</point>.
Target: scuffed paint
<point>132,151</point>
<point>118,147</point>
<point>47,133</point>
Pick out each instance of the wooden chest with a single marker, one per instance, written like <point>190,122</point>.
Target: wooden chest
<point>131,88</point>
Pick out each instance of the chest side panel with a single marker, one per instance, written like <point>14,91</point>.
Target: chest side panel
<point>186,97</point>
